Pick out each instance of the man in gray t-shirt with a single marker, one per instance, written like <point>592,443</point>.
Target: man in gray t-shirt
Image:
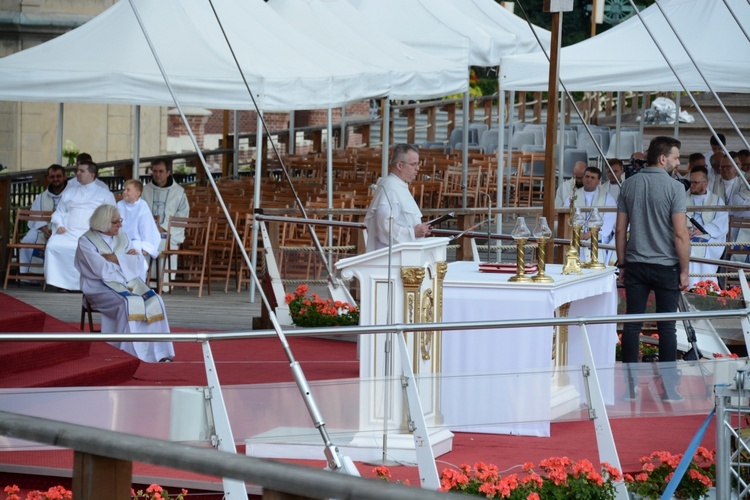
<point>654,256</point>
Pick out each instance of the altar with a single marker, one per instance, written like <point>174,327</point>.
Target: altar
<point>503,380</point>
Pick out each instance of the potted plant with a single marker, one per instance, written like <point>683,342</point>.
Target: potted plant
<point>314,311</point>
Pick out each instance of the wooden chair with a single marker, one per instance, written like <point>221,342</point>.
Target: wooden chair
<point>87,310</point>
<point>191,254</point>
<point>23,217</point>
<point>530,177</point>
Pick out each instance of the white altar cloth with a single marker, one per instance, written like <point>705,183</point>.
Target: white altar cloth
<point>520,404</point>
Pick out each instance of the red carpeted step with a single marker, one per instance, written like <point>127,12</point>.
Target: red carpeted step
<point>20,320</point>
<point>89,371</point>
<point>18,357</point>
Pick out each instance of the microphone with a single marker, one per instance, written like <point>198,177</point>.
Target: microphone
<point>488,220</point>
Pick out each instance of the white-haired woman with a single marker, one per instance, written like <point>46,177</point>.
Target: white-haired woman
<point>110,268</point>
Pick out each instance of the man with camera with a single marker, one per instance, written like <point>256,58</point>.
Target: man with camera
<point>654,255</point>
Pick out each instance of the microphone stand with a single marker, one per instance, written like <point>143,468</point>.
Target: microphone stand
<point>388,369</point>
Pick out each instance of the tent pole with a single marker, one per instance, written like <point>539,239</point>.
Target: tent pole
<point>548,208</point>
<point>465,151</point>
<point>342,139</point>
<point>500,161</point>
<point>561,140</point>
<point>677,114</point>
<point>618,123</point>
<point>385,127</point>
<point>236,145</point>
<point>642,125</point>
<point>329,179</point>
<point>292,133</point>
<point>511,116</point>
<point>60,127</point>
<point>500,146</point>
<point>256,195</point>
<point>137,141</point>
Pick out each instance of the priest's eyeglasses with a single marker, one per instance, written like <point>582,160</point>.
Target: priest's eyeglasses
<point>415,164</point>
<point>117,222</point>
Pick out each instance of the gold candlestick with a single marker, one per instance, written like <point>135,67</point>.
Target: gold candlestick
<point>594,263</point>
<point>542,232</point>
<point>520,234</point>
<point>520,276</point>
<point>572,256</point>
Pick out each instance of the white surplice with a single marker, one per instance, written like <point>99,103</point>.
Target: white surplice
<point>95,270</point>
<point>73,212</point>
<point>716,225</point>
<point>392,196</point>
<point>138,223</point>
<point>600,197</point>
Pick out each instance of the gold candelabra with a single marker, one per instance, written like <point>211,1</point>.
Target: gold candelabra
<point>595,224</point>
<point>572,256</point>
<point>520,234</point>
<point>542,233</point>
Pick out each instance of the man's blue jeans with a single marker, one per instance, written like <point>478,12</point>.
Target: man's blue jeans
<point>640,279</point>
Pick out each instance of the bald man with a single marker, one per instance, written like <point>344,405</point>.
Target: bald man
<point>566,189</point>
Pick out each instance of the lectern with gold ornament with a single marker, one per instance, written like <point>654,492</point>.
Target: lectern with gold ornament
<point>416,275</point>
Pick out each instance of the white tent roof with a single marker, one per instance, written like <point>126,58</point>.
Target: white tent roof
<point>433,24</point>
<point>626,58</point>
<point>107,60</point>
<point>490,11</point>
<point>414,74</point>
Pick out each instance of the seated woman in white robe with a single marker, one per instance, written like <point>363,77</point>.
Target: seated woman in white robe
<point>110,278</point>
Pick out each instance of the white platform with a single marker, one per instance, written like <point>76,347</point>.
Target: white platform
<point>306,443</point>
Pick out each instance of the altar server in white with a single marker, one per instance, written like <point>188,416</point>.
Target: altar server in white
<point>47,201</point>
<point>110,278</point>
<point>69,222</point>
<point>716,225</point>
<point>392,198</point>
<point>594,195</point>
<point>138,222</point>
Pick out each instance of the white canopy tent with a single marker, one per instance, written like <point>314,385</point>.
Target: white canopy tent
<point>433,23</point>
<point>626,58</point>
<point>107,60</point>
<point>414,74</point>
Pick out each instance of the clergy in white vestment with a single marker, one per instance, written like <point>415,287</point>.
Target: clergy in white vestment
<point>166,198</point>
<point>69,221</point>
<point>593,195</point>
<point>729,183</point>
<point>614,173</point>
<point>39,232</point>
<point>713,225</point>
<point>393,200</point>
<point>138,222</point>
<point>110,271</point>
<point>566,189</point>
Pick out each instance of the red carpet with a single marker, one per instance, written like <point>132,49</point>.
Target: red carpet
<point>264,361</point>
<point>55,364</point>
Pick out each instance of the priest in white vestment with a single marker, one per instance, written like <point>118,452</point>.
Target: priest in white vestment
<point>592,194</point>
<point>166,198</point>
<point>69,222</point>
<point>393,200</point>
<point>566,189</point>
<point>39,232</point>
<point>138,222</point>
<point>714,223</point>
<point>110,270</point>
